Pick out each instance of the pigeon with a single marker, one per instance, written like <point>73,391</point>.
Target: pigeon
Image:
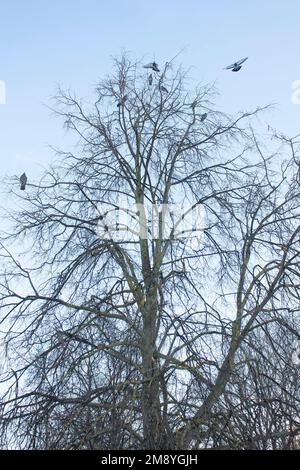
<point>153,66</point>
<point>150,79</point>
<point>23,181</point>
<point>122,101</point>
<point>164,89</point>
<point>203,117</point>
<point>298,176</point>
<point>236,66</point>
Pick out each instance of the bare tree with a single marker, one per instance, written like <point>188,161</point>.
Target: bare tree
<point>260,406</point>
<point>125,335</point>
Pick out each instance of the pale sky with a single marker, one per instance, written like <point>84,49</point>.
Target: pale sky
<point>70,42</point>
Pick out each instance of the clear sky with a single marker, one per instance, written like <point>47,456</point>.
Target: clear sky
<point>70,42</point>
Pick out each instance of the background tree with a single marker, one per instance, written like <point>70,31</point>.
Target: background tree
<point>123,336</point>
<point>260,407</point>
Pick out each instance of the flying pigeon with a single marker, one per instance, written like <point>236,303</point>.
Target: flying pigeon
<point>150,79</point>
<point>122,101</point>
<point>203,117</point>
<point>23,181</point>
<point>153,66</point>
<point>237,65</point>
<point>164,89</point>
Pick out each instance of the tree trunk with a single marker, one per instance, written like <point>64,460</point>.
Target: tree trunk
<point>151,410</point>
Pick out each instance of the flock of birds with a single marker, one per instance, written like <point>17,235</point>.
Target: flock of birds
<point>235,67</point>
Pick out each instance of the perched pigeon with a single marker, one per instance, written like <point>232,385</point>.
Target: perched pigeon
<point>23,181</point>
<point>122,101</point>
<point>203,117</point>
<point>153,66</point>
<point>237,65</point>
<point>150,79</point>
<point>164,89</point>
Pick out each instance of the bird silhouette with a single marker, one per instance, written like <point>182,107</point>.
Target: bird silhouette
<point>122,101</point>
<point>203,117</point>
<point>236,66</point>
<point>150,79</point>
<point>152,65</point>
<point>23,181</point>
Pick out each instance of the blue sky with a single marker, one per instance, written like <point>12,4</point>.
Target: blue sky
<point>70,42</point>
